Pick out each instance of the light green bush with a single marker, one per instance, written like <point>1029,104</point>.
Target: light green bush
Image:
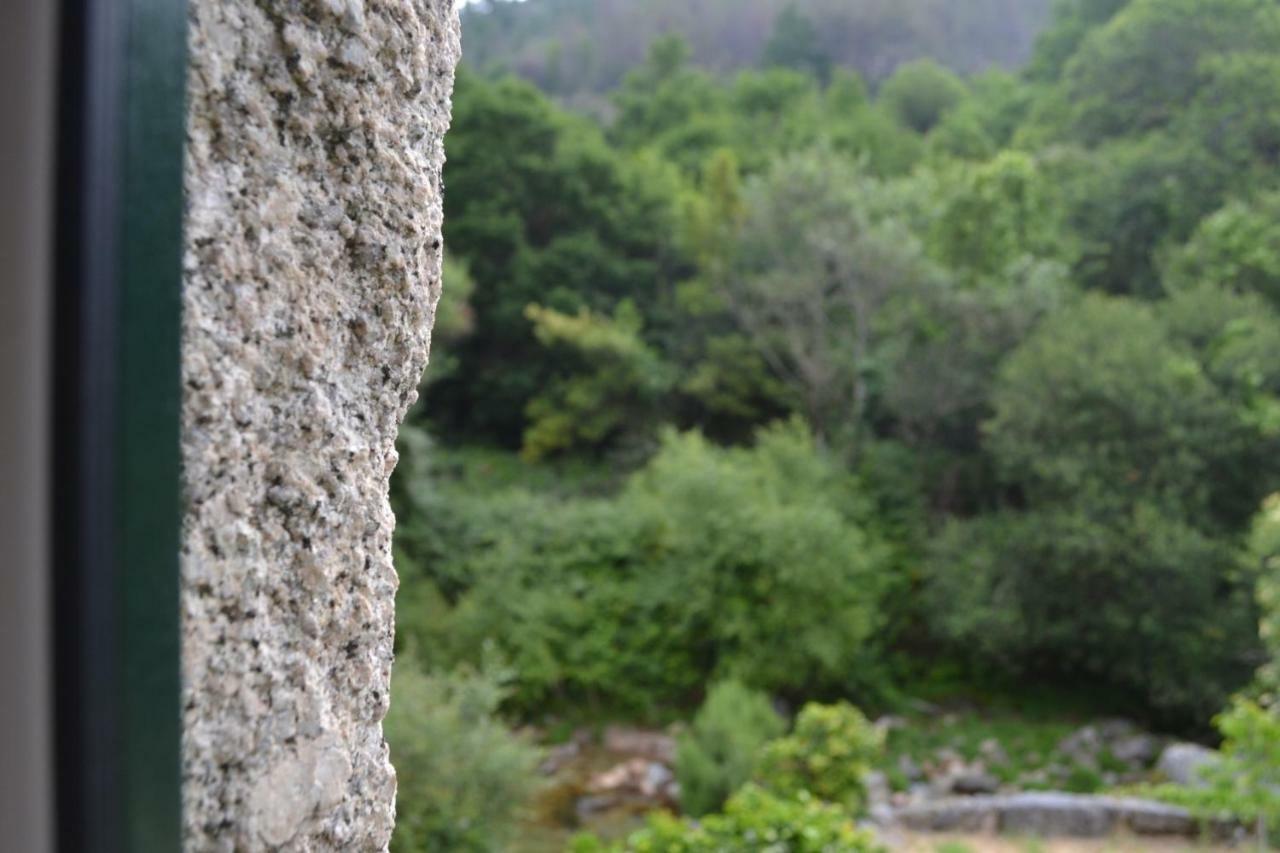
<point>828,755</point>
<point>754,820</point>
<point>756,564</point>
<point>463,777</point>
<point>718,754</point>
<point>1245,784</point>
<point>1264,558</point>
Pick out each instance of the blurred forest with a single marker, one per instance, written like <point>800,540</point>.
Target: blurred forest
<point>579,50</point>
<point>857,354</point>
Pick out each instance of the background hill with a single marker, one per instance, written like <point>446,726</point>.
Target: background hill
<point>578,48</point>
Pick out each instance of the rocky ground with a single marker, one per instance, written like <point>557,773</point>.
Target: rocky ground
<point>998,782</point>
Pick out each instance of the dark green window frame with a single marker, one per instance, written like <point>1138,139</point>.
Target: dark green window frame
<point>117,405</point>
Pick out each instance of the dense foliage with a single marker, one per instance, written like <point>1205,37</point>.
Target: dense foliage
<point>739,563</point>
<point>813,380</point>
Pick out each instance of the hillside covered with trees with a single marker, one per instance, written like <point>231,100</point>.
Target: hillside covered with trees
<point>829,379</point>
<point>578,50</point>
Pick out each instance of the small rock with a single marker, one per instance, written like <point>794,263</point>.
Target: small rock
<point>1116,729</point>
<point>890,722</point>
<point>558,757</point>
<point>629,775</point>
<point>638,777</point>
<point>946,762</point>
<point>1137,750</point>
<point>920,793</point>
<point>877,788</point>
<point>881,814</point>
<point>1037,778</point>
<point>656,746</point>
<point>1082,746</point>
<point>974,781</point>
<point>909,769</point>
<point>593,805</point>
<point>993,753</point>
<point>658,779</point>
<point>1185,763</point>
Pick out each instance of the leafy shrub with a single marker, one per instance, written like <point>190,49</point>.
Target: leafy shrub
<point>756,564</point>
<point>1264,558</point>
<point>828,755</point>
<point>1245,784</point>
<point>463,776</point>
<point>1251,760</point>
<point>1068,592</point>
<point>753,820</point>
<point>718,754</point>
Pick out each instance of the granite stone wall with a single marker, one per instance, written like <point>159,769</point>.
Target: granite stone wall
<point>312,271</point>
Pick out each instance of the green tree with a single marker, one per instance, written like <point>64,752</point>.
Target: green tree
<point>1139,70</point>
<point>1100,398</point>
<point>613,394</point>
<point>795,44</point>
<point>542,211</point>
<point>1237,247</point>
<point>921,93</point>
<point>811,275</point>
<point>1001,212</point>
<point>1117,442</point>
<point>718,754</point>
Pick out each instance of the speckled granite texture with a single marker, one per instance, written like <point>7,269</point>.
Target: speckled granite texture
<point>312,272</point>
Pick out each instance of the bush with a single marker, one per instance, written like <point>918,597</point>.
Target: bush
<point>827,756</point>
<point>755,564</point>
<point>1264,559</point>
<point>1127,464</point>
<point>463,777</point>
<point>1100,398</point>
<point>718,754</point>
<point>1126,600</point>
<point>1245,784</point>
<point>754,820</point>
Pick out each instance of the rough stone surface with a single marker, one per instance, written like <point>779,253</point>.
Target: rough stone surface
<point>1050,814</point>
<point>1184,763</point>
<point>312,272</point>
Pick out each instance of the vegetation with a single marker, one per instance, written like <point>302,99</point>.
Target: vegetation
<point>719,753</point>
<point>828,755</point>
<point>462,777</point>
<point>792,378</point>
<point>801,825</point>
<point>580,49</point>
<point>709,563</point>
